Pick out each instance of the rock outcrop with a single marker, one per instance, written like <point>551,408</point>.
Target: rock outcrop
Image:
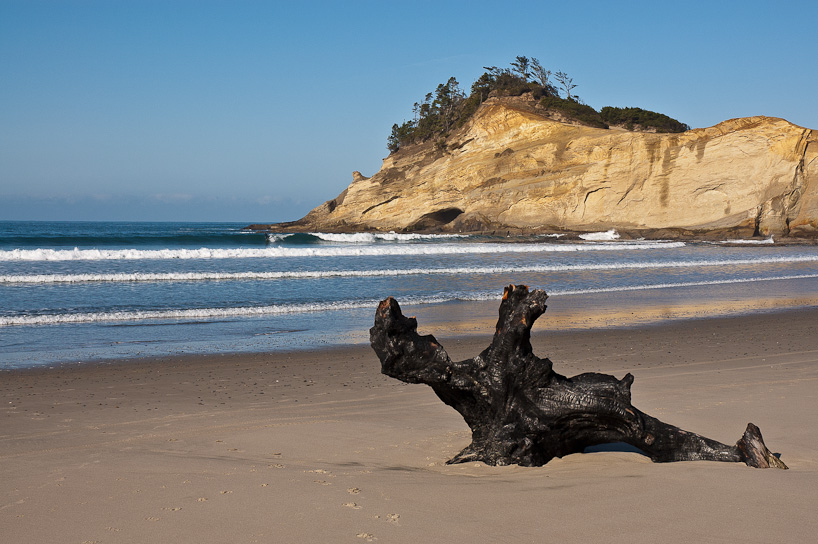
<point>512,169</point>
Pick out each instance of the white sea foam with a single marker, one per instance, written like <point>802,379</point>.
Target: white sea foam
<point>319,274</point>
<point>255,311</point>
<point>600,236</point>
<point>77,254</point>
<point>491,295</point>
<point>276,237</point>
<point>749,241</point>
<point>679,284</point>
<point>369,237</point>
<point>197,313</point>
<point>201,313</point>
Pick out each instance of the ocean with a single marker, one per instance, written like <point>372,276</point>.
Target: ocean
<point>75,292</point>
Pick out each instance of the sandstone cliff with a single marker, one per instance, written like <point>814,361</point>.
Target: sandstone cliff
<point>511,169</point>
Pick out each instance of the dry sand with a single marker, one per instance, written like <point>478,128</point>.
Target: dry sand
<point>319,447</point>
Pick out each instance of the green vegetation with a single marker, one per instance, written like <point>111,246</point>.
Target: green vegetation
<point>448,107</point>
<point>435,116</point>
<point>632,118</point>
<point>578,111</point>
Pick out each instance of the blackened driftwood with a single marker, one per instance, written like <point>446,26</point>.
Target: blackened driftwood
<point>522,412</point>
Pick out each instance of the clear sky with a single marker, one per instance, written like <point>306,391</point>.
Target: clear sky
<point>258,111</point>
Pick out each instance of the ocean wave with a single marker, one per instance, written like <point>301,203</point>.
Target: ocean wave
<point>258,311</point>
<point>142,239</point>
<point>369,237</point>
<point>749,241</point>
<point>201,313</point>
<point>77,254</point>
<point>491,295</point>
<point>320,274</point>
<point>277,237</point>
<point>358,237</point>
<point>600,236</point>
<point>671,285</point>
<point>193,313</point>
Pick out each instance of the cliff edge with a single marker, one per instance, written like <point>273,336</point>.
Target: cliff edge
<point>512,169</point>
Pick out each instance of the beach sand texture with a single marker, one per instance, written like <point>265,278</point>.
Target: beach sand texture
<point>320,447</point>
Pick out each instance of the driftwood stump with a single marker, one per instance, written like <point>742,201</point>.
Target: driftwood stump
<point>522,412</point>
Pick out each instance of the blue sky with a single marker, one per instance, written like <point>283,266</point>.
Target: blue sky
<point>258,111</point>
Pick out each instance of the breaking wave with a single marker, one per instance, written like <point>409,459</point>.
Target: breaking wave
<point>358,237</point>
<point>201,313</point>
<point>254,311</point>
<point>319,274</point>
<point>600,236</point>
<point>77,254</point>
<point>749,241</point>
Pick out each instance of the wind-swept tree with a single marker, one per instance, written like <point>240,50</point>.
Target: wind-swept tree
<point>567,83</point>
<point>483,86</point>
<point>447,98</point>
<point>541,75</point>
<point>520,66</point>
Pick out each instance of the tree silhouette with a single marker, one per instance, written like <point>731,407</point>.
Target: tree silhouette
<point>520,66</point>
<point>567,83</point>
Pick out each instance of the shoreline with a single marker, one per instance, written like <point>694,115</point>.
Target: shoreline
<point>615,309</point>
<point>474,335</point>
<point>318,446</point>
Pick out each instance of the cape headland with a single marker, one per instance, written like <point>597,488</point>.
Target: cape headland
<point>515,166</point>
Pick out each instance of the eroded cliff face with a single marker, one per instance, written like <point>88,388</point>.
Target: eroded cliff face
<point>512,169</point>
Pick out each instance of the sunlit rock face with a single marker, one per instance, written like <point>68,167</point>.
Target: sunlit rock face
<point>512,169</point>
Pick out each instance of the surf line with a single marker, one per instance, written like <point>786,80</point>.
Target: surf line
<point>253,311</point>
<point>319,274</point>
<point>479,248</point>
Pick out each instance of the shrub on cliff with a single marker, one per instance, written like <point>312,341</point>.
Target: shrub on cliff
<point>574,109</point>
<point>633,118</point>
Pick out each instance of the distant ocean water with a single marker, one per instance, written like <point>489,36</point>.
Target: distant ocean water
<point>77,292</point>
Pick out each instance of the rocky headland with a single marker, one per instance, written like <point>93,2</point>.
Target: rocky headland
<point>513,169</point>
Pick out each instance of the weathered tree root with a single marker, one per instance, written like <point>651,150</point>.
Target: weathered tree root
<point>754,452</point>
<point>522,412</point>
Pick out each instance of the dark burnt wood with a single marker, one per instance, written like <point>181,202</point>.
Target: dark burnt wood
<point>522,412</point>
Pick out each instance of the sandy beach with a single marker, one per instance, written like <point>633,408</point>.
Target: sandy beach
<point>318,446</point>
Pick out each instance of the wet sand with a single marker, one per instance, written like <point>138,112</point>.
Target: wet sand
<point>318,446</point>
